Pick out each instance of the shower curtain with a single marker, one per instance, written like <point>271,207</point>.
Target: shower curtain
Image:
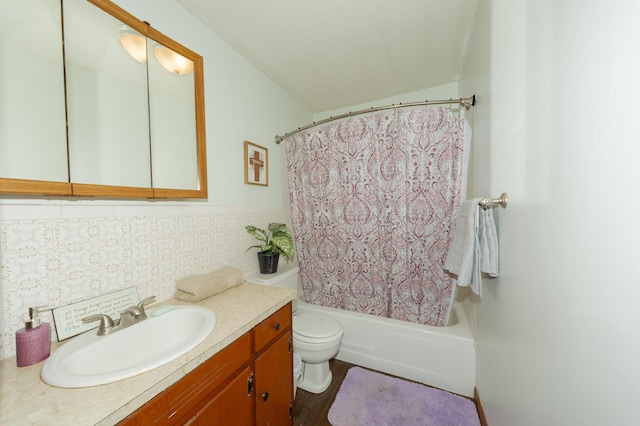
<point>373,201</point>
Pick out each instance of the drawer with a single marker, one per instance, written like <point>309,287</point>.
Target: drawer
<point>271,327</point>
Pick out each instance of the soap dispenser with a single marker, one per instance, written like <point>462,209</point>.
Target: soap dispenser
<point>33,342</point>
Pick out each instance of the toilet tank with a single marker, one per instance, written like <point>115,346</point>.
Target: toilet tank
<point>285,277</point>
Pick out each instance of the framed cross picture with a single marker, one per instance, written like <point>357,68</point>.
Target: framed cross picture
<point>256,164</point>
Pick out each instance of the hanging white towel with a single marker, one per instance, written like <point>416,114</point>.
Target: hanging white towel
<point>488,237</point>
<point>462,252</point>
<point>474,246</point>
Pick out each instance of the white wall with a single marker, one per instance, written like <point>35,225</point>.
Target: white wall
<point>444,91</point>
<point>55,251</point>
<point>557,332</point>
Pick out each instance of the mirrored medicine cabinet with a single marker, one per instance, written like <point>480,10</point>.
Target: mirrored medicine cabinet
<point>94,102</point>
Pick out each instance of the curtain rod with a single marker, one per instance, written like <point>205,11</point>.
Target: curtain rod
<point>464,102</point>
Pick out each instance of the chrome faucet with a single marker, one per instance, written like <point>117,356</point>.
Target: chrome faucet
<point>130,316</point>
<point>107,325</point>
<point>135,314</point>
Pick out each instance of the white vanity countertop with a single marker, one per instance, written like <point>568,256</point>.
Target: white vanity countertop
<point>26,400</point>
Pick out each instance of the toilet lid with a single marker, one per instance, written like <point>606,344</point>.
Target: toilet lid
<point>315,325</point>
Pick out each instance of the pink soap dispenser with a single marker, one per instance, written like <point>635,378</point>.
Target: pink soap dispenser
<point>33,342</point>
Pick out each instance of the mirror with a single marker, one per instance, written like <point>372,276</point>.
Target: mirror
<point>135,128</point>
<point>106,100</point>
<point>33,144</point>
<point>173,118</point>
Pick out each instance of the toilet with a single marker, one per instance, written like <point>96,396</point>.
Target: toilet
<point>316,337</point>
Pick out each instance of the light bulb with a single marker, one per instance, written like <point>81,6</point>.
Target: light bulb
<point>172,61</point>
<point>134,44</point>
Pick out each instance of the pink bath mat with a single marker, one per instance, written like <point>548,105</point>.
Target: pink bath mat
<point>367,398</point>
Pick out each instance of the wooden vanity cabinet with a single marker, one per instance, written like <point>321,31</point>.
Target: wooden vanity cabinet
<point>250,382</point>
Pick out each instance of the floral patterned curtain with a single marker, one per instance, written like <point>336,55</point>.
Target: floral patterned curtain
<point>373,202</point>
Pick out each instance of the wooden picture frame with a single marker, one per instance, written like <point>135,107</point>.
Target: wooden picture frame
<point>256,164</point>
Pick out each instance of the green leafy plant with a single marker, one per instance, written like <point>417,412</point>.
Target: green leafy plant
<point>276,239</point>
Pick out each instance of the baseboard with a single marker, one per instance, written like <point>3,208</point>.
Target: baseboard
<point>476,398</point>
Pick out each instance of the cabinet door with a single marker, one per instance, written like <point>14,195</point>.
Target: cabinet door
<point>33,140</point>
<point>274,383</point>
<point>107,101</point>
<point>230,406</point>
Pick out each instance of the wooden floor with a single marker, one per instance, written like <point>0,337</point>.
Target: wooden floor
<point>312,409</point>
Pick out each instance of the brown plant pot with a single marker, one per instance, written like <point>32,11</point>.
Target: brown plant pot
<point>268,262</point>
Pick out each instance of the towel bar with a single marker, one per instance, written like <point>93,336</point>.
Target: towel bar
<point>487,202</point>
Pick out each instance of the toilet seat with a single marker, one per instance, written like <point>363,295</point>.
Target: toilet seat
<point>316,328</point>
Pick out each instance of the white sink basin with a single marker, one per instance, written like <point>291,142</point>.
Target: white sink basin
<point>90,360</point>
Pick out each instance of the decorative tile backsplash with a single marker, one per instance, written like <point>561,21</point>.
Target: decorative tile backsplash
<point>55,261</point>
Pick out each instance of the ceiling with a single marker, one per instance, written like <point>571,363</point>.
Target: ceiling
<point>330,54</point>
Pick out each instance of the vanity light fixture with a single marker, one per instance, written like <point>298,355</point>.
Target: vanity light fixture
<point>133,43</point>
<point>172,61</point>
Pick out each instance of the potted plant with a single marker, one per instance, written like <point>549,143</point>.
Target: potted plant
<point>276,240</point>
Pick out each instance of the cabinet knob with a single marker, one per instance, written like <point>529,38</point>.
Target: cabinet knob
<point>265,396</point>
<point>277,326</point>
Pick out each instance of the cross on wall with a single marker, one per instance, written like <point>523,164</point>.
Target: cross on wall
<point>256,158</point>
<point>258,164</point>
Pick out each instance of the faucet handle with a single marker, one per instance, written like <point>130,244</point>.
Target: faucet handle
<point>145,302</point>
<point>106,323</point>
<point>138,311</point>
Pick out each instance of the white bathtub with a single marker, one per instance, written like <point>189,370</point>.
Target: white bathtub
<point>442,357</point>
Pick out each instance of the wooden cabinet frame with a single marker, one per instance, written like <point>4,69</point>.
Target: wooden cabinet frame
<point>50,188</point>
